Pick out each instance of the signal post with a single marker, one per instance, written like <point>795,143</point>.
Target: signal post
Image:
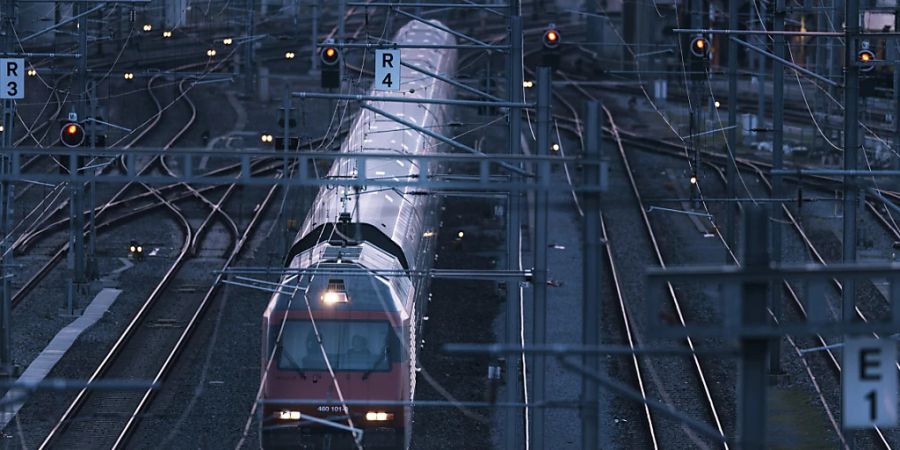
<point>72,135</point>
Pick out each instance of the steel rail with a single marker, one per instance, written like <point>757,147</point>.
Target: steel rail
<point>632,336</point>
<point>648,228</point>
<point>789,289</point>
<point>74,407</point>
<point>192,325</point>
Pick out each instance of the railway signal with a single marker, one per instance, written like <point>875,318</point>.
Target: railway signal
<point>551,36</point>
<point>700,47</point>
<point>865,57</point>
<point>331,71</point>
<point>550,41</point>
<point>72,134</point>
<point>136,250</point>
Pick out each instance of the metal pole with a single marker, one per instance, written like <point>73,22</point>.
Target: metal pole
<point>286,108</point>
<point>342,11</point>
<point>76,193</point>
<point>761,66</point>
<point>851,143</point>
<point>248,47</point>
<point>314,51</point>
<point>777,163</point>
<point>752,370</point>
<point>541,203</point>
<point>696,109</point>
<point>591,312</point>
<point>6,208</point>
<point>92,269</point>
<point>821,67</point>
<point>593,22</point>
<point>514,91</point>
<point>730,166</point>
<point>896,55</point>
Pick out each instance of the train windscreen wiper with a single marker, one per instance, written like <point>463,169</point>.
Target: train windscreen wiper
<point>375,365</point>
<point>293,361</point>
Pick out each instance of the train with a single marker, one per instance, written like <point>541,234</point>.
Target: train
<point>341,333</point>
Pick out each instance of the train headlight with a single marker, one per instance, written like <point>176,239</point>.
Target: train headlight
<point>379,416</point>
<point>336,292</point>
<point>332,297</point>
<point>289,415</point>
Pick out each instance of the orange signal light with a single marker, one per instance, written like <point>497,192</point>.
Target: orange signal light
<point>551,37</point>
<point>700,47</point>
<point>330,56</point>
<point>71,129</point>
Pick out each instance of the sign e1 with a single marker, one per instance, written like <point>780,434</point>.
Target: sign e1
<point>387,70</point>
<point>12,78</point>
<point>869,383</point>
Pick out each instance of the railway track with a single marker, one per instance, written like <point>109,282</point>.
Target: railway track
<point>821,183</point>
<point>708,400</point>
<point>138,346</point>
<point>69,430</point>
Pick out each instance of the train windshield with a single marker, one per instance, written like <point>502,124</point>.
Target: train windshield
<point>349,345</point>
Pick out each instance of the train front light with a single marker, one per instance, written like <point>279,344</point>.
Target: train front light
<point>335,293</point>
<point>379,416</point>
<point>289,415</point>
<point>332,297</point>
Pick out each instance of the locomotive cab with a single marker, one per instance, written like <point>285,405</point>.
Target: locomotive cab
<point>343,331</point>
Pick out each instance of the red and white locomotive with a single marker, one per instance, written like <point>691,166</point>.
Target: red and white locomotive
<point>340,336</point>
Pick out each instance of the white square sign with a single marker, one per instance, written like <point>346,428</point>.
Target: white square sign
<point>387,70</point>
<point>869,383</point>
<point>12,78</point>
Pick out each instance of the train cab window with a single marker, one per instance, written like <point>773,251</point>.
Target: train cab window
<point>350,345</point>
